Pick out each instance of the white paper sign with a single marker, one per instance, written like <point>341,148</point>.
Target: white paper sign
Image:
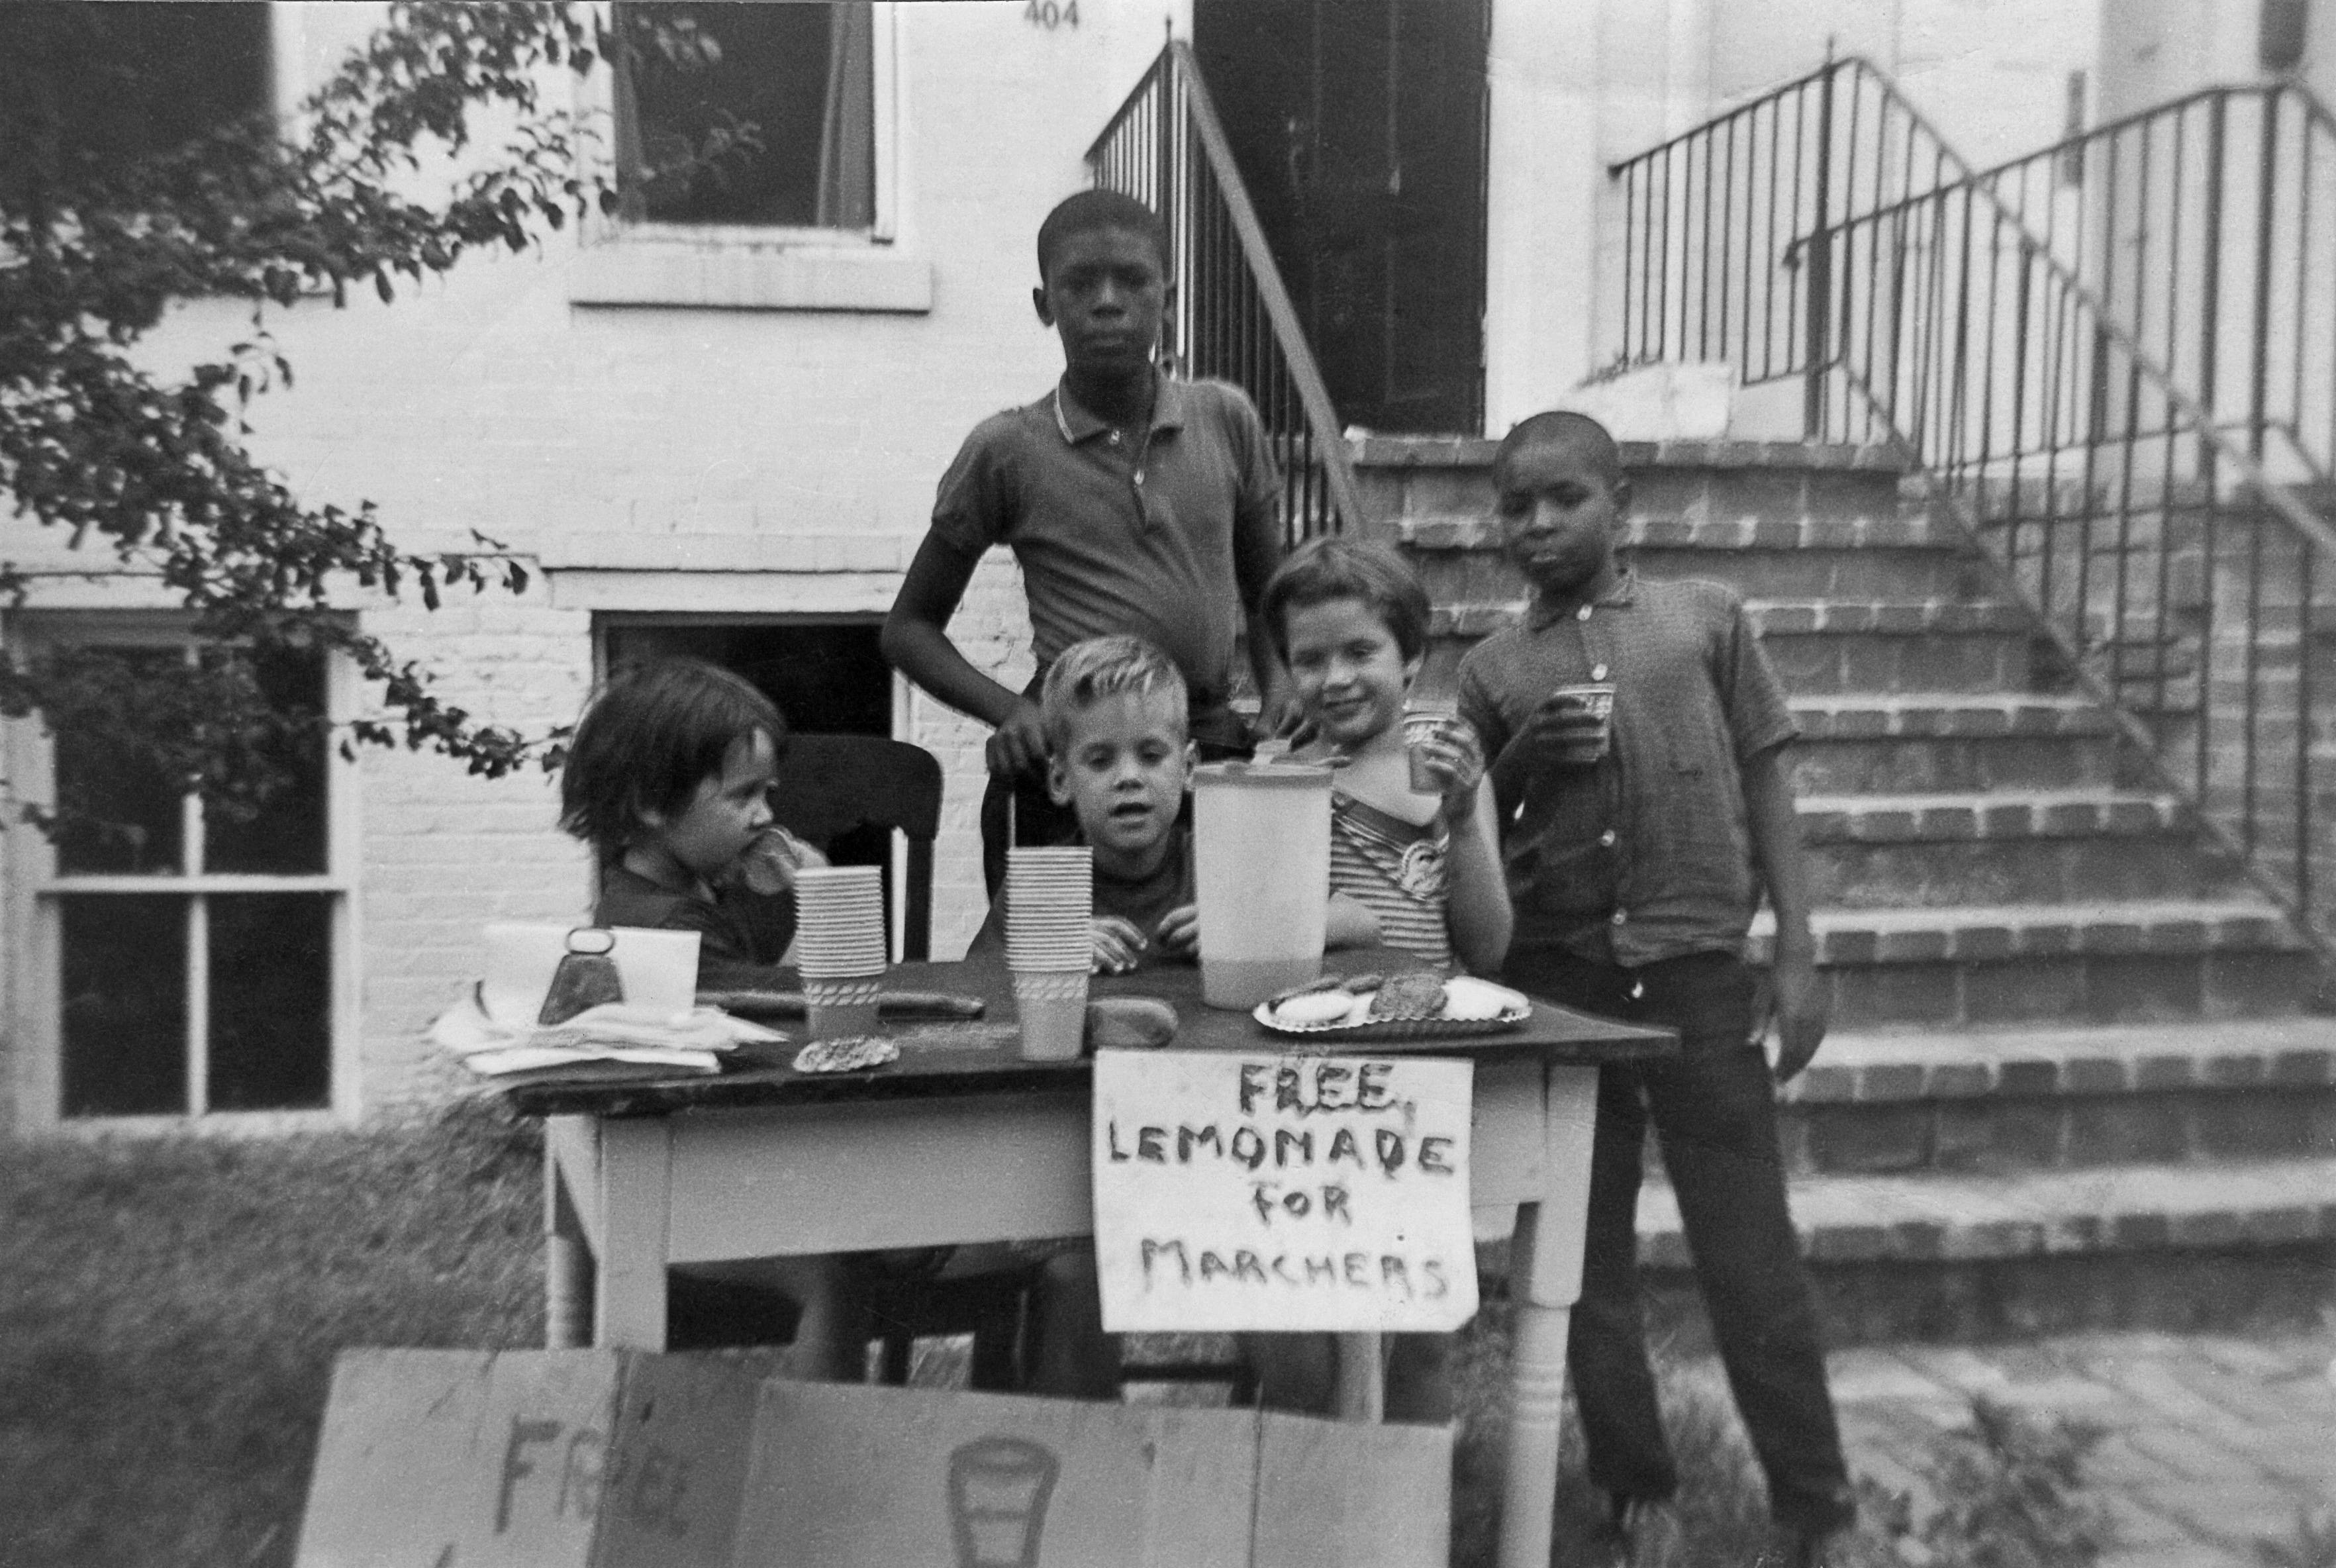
<point>1266,1191</point>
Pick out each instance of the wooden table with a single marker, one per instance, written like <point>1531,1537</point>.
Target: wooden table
<point>963,1144</point>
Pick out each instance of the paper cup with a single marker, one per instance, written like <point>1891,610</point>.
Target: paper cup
<point>839,921</point>
<point>1422,727</point>
<point>1597,699</point>
<point>1054,1013</point>
<point>836,1008</point>
<point>1050,908</point>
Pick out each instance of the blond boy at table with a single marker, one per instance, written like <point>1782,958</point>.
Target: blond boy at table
<point>1119,757</point>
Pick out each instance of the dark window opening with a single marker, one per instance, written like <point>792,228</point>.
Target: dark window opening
<point>747,114</point>
<point>271,1001</point>
<point>123,1005</point>
<point>827,677</point>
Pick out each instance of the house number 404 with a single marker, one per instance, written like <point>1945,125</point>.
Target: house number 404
<point>1051,13</point>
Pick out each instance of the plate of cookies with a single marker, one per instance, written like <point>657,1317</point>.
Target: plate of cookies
<point>1415,1005</point>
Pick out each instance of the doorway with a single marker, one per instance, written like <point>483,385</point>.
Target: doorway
<point>1358,127</point>
<point>827,676</point>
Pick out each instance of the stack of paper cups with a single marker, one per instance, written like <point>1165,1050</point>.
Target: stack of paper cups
<point>840,947</point>
<point>1049,909</point>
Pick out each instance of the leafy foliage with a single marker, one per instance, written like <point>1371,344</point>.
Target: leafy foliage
<point>2009,1494</point>
<point>92,252</point>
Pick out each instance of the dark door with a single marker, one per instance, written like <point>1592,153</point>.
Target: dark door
<point>1358,126</point>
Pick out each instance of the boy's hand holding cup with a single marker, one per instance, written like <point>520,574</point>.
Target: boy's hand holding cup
<point>1575,724</point>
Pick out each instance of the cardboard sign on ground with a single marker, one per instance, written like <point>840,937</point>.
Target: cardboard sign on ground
<point>610,1459</point>
<point>528,1459</point>
<point>1290,1193</point>
<point>847,1477</point>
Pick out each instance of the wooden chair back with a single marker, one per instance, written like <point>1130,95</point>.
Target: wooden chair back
<point>831,784</point>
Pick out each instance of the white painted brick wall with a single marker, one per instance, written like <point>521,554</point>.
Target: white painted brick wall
<point>786,460</point>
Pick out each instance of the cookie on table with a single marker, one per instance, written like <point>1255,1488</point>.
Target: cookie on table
<point>1408,997</point>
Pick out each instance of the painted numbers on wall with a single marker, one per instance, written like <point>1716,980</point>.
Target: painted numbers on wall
<point>1051,13</point>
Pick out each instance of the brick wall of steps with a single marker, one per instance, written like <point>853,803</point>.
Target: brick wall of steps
<point>2074,1078</point>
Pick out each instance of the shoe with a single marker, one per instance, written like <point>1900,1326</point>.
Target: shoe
<point>1646,1533</point>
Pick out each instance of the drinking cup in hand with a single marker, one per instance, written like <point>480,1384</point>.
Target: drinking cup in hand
<point>1590,709</point>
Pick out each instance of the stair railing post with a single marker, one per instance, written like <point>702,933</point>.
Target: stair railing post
<point>1817,351</point>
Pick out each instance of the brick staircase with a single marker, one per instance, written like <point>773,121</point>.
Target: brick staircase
<point>2073,1079</point>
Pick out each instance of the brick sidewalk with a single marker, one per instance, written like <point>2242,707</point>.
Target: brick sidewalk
<point>2211,1442</point>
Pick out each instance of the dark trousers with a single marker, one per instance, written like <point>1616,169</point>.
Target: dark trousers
<point>1713,1107</point>
<point>1219,733</point>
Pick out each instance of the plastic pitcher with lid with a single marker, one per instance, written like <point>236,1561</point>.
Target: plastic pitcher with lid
<point>1261,863</point>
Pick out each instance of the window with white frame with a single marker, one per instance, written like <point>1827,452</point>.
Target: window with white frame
<point>189,955</point>
<point>747,115</point>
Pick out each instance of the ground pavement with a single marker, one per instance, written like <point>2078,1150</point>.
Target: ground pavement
<point>2211,1442</point>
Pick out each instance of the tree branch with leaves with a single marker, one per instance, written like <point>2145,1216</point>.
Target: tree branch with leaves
<point>92,254</point>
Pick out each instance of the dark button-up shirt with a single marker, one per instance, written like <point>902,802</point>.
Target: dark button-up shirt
<point>1157,540</point>
<point>1647,855</point>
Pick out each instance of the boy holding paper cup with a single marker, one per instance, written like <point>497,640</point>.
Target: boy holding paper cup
<point>1636,734</point>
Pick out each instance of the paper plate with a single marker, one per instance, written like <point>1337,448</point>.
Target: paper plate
<point>1514,1009</point>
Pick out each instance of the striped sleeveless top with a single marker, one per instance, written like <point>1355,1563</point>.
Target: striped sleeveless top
<point>1395,869</point>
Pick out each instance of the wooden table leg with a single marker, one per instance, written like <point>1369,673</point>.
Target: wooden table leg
<point>636,1212</point>
<point>1544,1282</point>
<point>567,1261</point>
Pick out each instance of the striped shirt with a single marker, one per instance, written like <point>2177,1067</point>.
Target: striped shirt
<point>1396,869</point>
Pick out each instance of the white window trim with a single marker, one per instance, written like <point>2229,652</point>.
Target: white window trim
<point>30,888</point>
<point>745,266</point>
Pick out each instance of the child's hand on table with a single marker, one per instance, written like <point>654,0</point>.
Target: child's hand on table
<point>1178,932</point>
<point>1117,945</point>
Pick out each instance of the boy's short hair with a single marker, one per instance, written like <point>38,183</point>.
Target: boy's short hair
<point>1090,210</point>
<point>1087,672</point>
<point>649,738</point>
<point>1563,426</point>
<point>1329,568</point>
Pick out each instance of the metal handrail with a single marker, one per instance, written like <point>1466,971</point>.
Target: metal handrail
<point>1230,315</point>
<point>2016,332</point>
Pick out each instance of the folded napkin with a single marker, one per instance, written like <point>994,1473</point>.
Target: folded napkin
<point>613,1039</point>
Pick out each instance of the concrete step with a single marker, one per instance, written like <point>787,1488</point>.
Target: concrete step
<point>2187,1248</point>
<point>2156,960</point>
<point>1920,1220</point>
<point>1995,1101</point>
<point>1985,934</point>
<point>1808,558</point>
<point>1450,477</point>
<point>1926,743</point>
<point>2046,847</point>
<point>1828,647</point>
<point>1822,648</point>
